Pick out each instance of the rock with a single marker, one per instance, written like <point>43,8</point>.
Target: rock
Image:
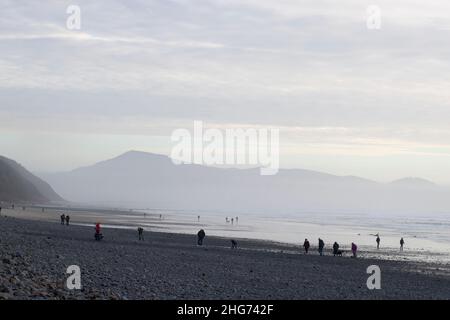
<point>5,296</point>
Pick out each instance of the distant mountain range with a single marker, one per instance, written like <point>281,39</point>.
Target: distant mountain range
<point>149,180</point>
<point>19,185</point>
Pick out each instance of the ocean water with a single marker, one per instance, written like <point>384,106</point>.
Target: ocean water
<point>426,238</point>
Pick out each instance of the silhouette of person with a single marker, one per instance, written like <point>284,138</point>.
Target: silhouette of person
<point>98,233</point>
<point>378,241</point>
<point>354,249</point>
<point>232,221</point>
<point>335,248</point>
<point>233,244</point>
<point>67,220</point>
<point>321,246</point>
<point>402,242</point>
<point>63,219</point>
<point>141,233</point>
<point>200,236</point>
<point>198,218</point>
<point>306,246</point>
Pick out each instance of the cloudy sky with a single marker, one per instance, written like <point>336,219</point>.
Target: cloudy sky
<point>348,100</point>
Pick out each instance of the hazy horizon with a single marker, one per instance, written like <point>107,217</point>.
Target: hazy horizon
<point>236,167</point>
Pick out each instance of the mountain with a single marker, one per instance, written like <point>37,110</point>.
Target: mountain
<point>414,182</point>
<point>18,184</point>
<point>150,180</point>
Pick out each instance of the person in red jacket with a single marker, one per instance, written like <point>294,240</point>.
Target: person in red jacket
<point>98,234</point>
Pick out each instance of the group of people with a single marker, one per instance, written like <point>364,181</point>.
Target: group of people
<point>65,219</point>
<point>378,240</point>
<point>337,252</point>
<point>201,236</point>
<point>232,220</point>
<point>321,246</point>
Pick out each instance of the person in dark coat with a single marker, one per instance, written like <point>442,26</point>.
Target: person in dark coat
<point>200,236</point>
<point>335,248</point>
<point>306,246</point>
<point>321,246</point>
<point>141,233</point>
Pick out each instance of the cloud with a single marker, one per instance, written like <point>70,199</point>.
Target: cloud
<point>294,64</point>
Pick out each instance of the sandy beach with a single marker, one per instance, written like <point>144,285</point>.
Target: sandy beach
<point>35,255</point>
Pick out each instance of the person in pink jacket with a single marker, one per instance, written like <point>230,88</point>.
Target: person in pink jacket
<point>354,248</point>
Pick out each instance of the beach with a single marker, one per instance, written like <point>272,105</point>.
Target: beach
<point>35,255</point>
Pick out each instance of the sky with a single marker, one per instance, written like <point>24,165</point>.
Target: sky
<point>348,99</point>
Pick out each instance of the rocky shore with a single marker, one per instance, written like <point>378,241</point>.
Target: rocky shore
<point>35,255</point>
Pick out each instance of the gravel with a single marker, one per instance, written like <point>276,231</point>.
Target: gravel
<point>34,257</point>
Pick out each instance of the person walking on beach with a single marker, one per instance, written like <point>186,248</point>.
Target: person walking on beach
<point>232,220</point>
<point>306,246</point>
<point>63,219</point>
<point>67,220</point>
<point>335,248</point>
<point>354,248</point>
<point>402,242</point>
<point>141,234</point>
<point>200,236</point>
<point>321,246</point>
<point>237,218</point>
<point>198,218</point>
<point>378,241</point>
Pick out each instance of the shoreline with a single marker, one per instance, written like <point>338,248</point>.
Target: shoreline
<point>171,266</point>
<point>85,216</point>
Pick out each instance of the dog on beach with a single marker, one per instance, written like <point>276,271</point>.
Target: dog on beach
<point>339,253</point>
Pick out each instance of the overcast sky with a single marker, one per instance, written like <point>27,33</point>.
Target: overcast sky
<point>348,100</point>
